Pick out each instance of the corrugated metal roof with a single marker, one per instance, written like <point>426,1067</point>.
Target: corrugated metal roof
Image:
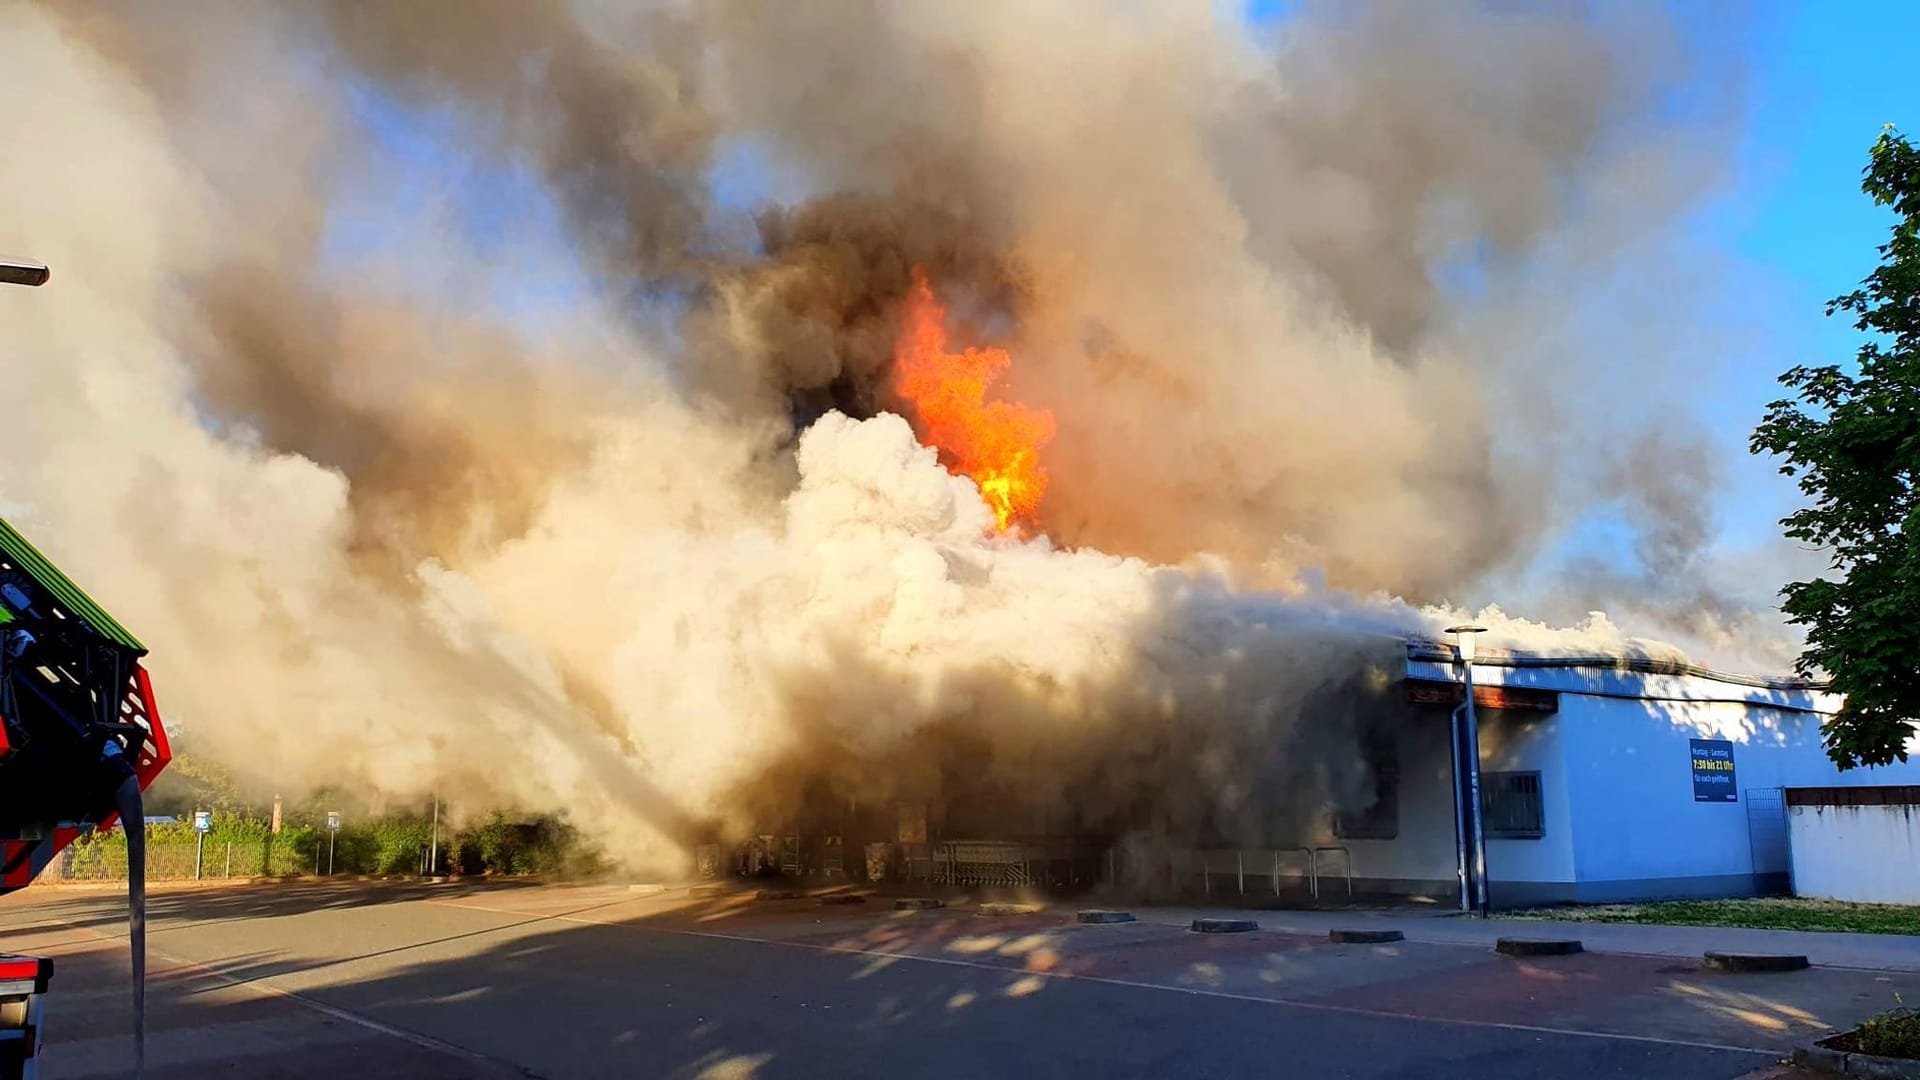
<point>76,602</point>
<point>1420,649</point>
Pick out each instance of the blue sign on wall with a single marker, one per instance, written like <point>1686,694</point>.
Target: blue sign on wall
<point>1713,771</point>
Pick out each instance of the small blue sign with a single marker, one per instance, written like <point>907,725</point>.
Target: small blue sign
<point>203,821</point>
<point>333,821</point>
<point>1713,771</point>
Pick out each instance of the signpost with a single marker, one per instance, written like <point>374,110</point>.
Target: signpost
<point>1713,770</point>
<point>202,825</point>
<point>333,831</point>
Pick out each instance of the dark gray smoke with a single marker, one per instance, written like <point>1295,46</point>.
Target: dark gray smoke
<point>1223,269</point>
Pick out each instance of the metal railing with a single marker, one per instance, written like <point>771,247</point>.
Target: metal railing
<point>1347,858</point>
<point>1185,864</point>
<point>982,862</point>
<point>1313,870</point>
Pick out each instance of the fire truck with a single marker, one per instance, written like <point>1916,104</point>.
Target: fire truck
<point>80,740</point>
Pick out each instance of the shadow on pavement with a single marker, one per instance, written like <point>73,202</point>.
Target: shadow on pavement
<point>600,981</point>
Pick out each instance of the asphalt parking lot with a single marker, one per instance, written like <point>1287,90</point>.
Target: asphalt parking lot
<point>452,980</point>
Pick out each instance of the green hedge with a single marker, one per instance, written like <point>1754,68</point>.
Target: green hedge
<point>546,845</point>
<point>391,845</point>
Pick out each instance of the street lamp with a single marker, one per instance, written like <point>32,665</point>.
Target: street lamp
<point>17,272</point>
<point>1467,749</point>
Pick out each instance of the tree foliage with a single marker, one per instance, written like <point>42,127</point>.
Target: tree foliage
<point>194,783</point>
<point>1851,438</point>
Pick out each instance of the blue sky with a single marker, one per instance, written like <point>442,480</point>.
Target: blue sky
<point>1794,219</point>
<point>1792,224</point>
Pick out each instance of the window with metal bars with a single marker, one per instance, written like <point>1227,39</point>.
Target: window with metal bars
<point>1511,807</point>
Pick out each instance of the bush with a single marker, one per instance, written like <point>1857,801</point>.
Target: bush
<point>398,845</point>
<point>98,856</point>
<point>495,846</point>
<point>385,846</point>
<point>293,851</point>
<point>545,845</point>
<point>1891,1034</point>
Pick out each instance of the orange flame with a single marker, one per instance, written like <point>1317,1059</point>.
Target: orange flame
<point>997,443</point>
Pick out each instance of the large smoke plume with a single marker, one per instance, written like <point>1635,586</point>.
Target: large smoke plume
<point>639,550</point>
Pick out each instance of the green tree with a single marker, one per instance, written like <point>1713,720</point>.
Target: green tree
<point>1852,441</point>
<point>194,783</point>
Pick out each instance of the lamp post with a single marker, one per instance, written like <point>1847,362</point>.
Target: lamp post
<point>1463,866</point>
<point>17,272</point>
<point>1467,748</point>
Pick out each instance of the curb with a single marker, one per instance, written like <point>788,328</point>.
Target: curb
<point>1008,909</point>
<point>1101,916</point>
<point>777,894</point>
<point>1830,1062</point>
<point>1508,946</point>
<point>1724,961</point>
<point>836,899</point>
<point>1364,937</point>
<point>707,890</point>
<point>1224,926</point>
<point>918,903</point>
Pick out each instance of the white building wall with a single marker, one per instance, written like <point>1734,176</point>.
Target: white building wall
<point>1623,782</point>
<point>1422,858</point>
<point>1866,854</point>
<point>1522,742</point>
<point>1640,834</point>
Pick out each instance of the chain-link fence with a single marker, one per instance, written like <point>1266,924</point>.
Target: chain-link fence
<point>241,848</point>
<point>175,860</point>
<point>217,859</point>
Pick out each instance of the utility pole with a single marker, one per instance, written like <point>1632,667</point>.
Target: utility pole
<point>1462,870</point>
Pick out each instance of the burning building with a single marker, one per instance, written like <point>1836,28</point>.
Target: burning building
<point>1046,458</point>
<point>1603,778</point>
<point>1256,748</point>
